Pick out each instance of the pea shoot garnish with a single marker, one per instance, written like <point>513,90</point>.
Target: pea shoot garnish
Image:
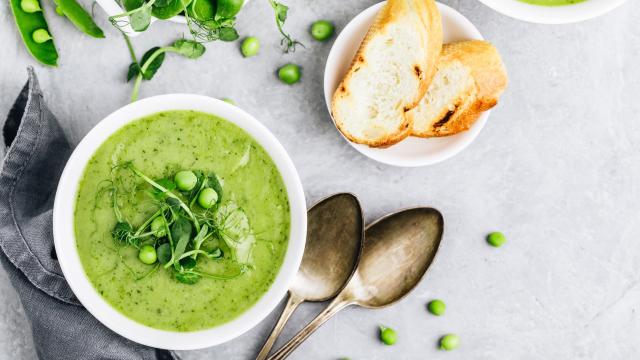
<point>191,224</point>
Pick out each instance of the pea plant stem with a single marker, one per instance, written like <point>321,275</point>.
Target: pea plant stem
<point>145,67</point>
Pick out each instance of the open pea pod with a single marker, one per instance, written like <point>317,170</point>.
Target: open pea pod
<point>28,22</point>
<point>79,17</point>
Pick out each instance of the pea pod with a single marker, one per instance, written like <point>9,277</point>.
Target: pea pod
<point>79,17</point>
<point>28,23</point>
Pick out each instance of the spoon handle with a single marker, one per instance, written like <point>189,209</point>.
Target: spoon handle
<point>335,306</point>
<point>292,304</point>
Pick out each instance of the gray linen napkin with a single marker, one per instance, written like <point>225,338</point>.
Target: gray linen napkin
<point>36,152</point>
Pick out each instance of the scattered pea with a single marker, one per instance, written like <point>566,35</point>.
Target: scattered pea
<point>250,46</point>
<point>157,227</point>
<point>289,74</point>
<point>436,307</point>
<point>496,239</point>
<point>147,254</point>
<point>207,198</point>
<point>185,180</point>
<point>321,30</point>
<point>388,336</point>
<point>30,6</point>
<point>449,342</point>
<point>40,36</point>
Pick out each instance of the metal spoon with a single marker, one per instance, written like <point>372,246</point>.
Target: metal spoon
<point>335,228</point>
<point>398,250</point>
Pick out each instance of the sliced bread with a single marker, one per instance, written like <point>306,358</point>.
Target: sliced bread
<point>470,79</point>
<point>389,74</point>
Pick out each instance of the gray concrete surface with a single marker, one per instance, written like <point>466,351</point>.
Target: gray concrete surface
<point>557,168</point>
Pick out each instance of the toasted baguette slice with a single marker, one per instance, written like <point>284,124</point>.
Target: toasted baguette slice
<point>470,80</point>
<point>389,74</point>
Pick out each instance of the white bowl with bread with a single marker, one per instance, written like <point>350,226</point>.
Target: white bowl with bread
<point>405,86</point>
<point>564,14</point>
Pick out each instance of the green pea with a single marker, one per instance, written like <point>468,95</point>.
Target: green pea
<point>41,35</point>
<point>289,74</point>
<point>185,180</point>
<point>147,254</point>
<point>436,307</point>
<point>250,46</point>
<point>496,239</point>
<point>202,10</point>
<point>158,228</point>
<point>207,198</point>
<point>30,6</point>
<point>449,342</point>
<point>388,336</point>
<point>322,30</point>
<point>227,9</point>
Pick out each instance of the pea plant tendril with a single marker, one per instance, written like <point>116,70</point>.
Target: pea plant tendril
<point>190,226</point>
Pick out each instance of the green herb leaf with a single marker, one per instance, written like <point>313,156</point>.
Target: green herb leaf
<point>140,19</point>
<point>188,278</point>
<point>214,183</point>
<point>153,67</point>
<point>164,253</point>
<point>132,4</point>
<point>188,263</point>
<point>216,254</point>
<point>134,70</point>
<point>121,232</point>
<point>189,48</point>
<point>181,234</point>
<point>228,34</point>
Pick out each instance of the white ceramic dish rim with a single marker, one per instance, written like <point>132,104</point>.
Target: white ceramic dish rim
<point>455,144</point>
<point>553,14</point>
<point>69,259</point>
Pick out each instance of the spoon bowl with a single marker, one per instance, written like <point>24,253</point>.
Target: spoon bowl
<point>334,239</point>
<point>397,251</point>
<point>335,229</point>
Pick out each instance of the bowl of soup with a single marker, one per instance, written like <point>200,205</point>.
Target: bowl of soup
<point>553,11</point>
<point>179,221</point>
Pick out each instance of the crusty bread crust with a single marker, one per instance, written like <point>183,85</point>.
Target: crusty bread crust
<point>430,33</point>
<point>486,67</point>
<point>490,76</point>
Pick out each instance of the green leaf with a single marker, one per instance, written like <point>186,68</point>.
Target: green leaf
<point>188,263</point>
<point>153,66</point>
<point>214,183</point>
<point>281,11</point>
<point>228,34</point>
<point>181,234</point>
<point>132,4</point>
<point>189,48</point>
<point>134,70</point>
<point>140,18</point>
<point>188,278</point>
<point>164,253</point>
<point>121,232</point>
<point>216,254</point>
<point>163,3</point>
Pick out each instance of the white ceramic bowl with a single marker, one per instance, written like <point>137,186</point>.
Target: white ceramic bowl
<point>412,151</point>
<point>69,259</point>
<point>553,14</point>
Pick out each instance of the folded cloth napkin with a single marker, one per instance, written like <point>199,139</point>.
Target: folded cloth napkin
<point>36,151</point>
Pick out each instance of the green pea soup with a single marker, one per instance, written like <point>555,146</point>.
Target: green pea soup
<point>160,145</point>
